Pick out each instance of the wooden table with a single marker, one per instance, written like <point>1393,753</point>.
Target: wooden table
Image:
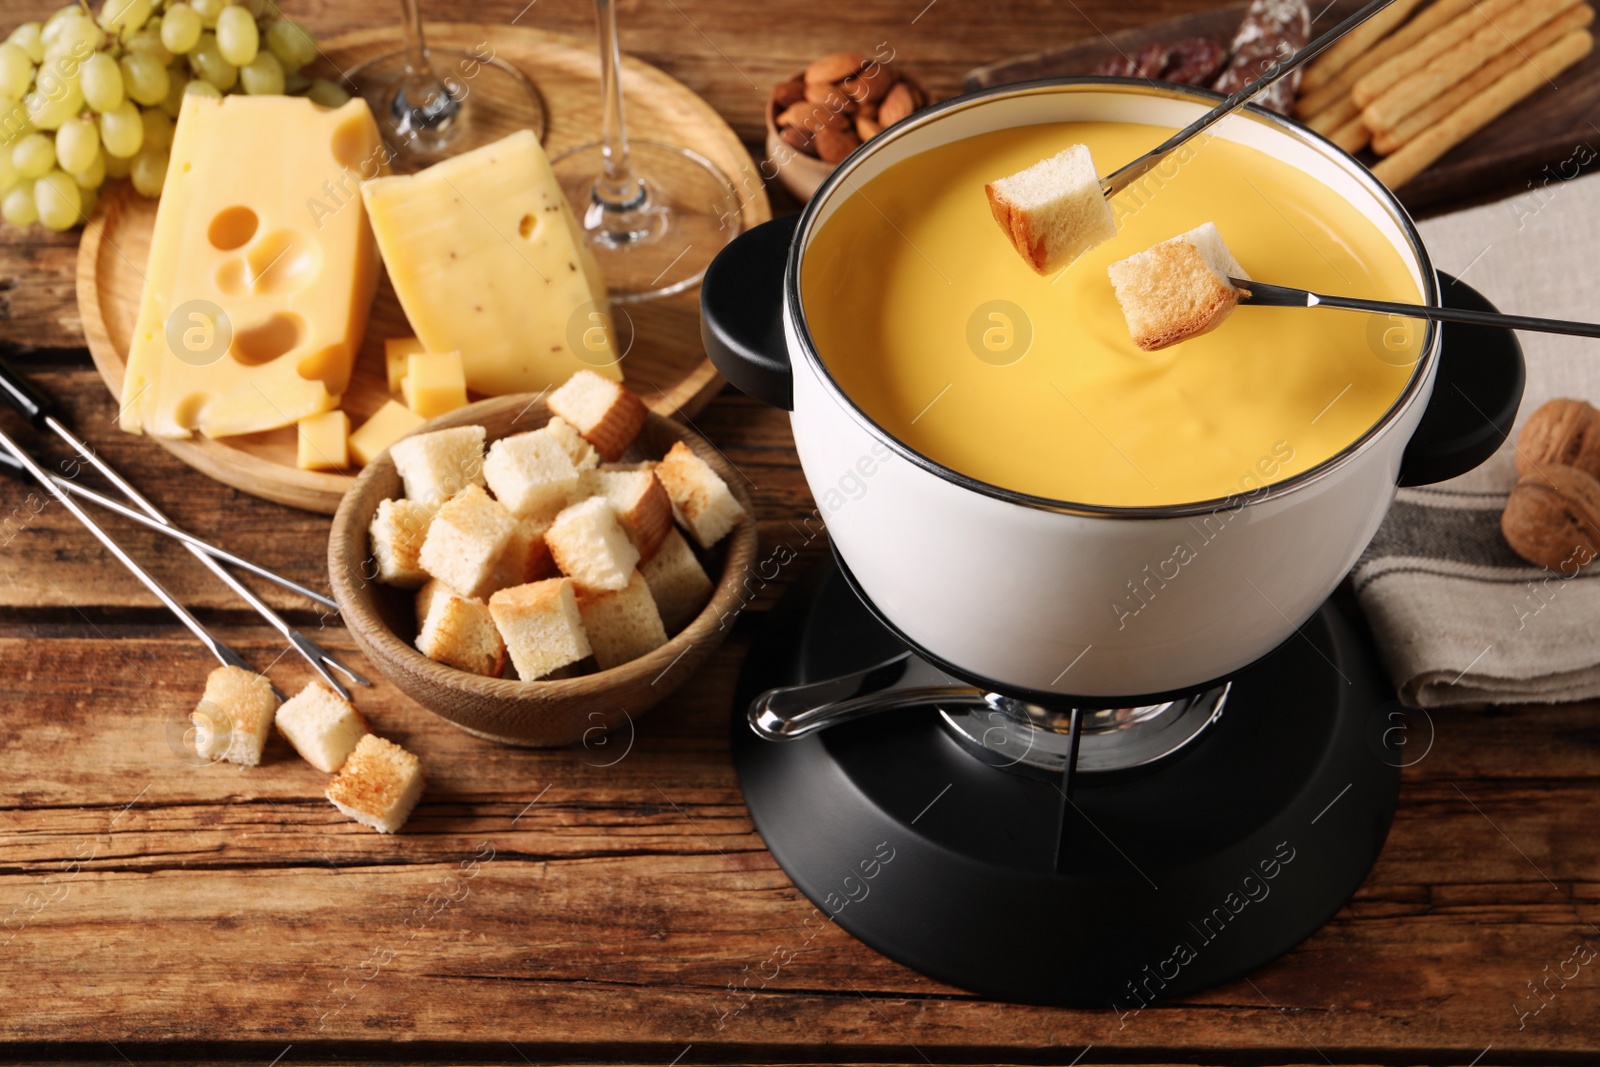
<point>612,903</point>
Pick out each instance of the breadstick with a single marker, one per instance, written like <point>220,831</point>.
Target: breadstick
<point>1330,119</point>
<point>1428,20</point>
<point>1452,33</point>
<point>1404,165</point>
<point>1451,67</point>
<point>1352,136</point>
<point>1386,141</point>
<point>1356,42</point>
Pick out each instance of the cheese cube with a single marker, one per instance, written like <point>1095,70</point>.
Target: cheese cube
<point>324,442</point>
<point>488,260</point>
<point>261,268</point>
<point>396,351</point>
<point>434,383</point>
<point>387,425</point>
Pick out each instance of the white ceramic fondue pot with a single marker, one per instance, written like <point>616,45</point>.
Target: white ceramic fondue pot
<point>1054,599</point>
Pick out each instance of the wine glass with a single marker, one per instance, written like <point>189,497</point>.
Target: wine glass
<point>655,214</point>
<point>433,103</point>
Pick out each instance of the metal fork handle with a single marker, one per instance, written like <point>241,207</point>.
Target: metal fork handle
<point>793,711</point>
<point>1264,295</point>
<point>1120,179</point>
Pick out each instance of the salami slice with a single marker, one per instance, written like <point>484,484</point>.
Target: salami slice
<point>1118,66</point>
<point>1272,31</point>
<point>1150,61</point>
<point>1194,61</point>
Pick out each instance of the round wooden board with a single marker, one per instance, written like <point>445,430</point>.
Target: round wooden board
<point>666,366</point>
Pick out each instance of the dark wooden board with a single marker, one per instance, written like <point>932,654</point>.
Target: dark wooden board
<point>1554,127</point>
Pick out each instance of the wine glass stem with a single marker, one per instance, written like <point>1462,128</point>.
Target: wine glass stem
<point>616,189</point>
<point>424,94</point>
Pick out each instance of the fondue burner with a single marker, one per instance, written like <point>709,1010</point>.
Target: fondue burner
<point>1055,853</point>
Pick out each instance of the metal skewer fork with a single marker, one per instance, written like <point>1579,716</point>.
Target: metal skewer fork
<point>1120,179</point>
<point>1264,295</point>
<point>11,463</point>
<point>223,653</point>
<point>39,410</point>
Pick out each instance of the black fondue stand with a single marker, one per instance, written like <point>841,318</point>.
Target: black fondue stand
<point>1100,889</point>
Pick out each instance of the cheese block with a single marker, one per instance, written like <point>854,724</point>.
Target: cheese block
<point>396,351</point>
<point>488,260</point>
<point>261,270</point>
<point>434,383</point>
<point>386,426</point>
<point>324,441</point>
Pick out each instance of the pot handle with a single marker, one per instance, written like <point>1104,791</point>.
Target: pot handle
<point>1475,395</point>
<point>741,312</point>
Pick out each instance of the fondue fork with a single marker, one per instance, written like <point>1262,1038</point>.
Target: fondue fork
<point>1120,179</point>
<point>1264,295</point>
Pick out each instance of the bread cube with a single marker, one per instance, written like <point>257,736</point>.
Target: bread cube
<point>386,426</point>
<point>234,716</point>
<point>322,726</point>
<point>542,627</point>
<point>379,784</point>
<point>588,544</point>
<point>1177,289</point>
<point>458,631</point>
<point>398,529</point>
<point>323,441</point>
<point>621,625</point>
<point>606,414</point>
<point>581,452</point>
<point>640,501</point>
<point>531,474</point>
<point>465,540</point>
<point>1053,211</point>
<point>701,500</point>
<point>526,557</point>
<point>436,466</point>
<point>677,582</point>
<point>397,351</point>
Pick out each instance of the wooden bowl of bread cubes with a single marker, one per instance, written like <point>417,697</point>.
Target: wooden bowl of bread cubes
<point>536,570</point>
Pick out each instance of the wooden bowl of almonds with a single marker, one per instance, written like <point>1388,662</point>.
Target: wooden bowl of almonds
<point>825,112</point>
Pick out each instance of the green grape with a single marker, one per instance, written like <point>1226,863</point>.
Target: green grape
<point>207,62</point>
<point>149,171</point>
<point>18,207</point>
<point>177,82</point>
<point>101,79</point>
<point>121,130</point>
<point>33,155</point>
<point>88,198</point>
<point>237,37</point>
<point>257,7</point>
<point>180,28</point>
<point>54,102</point>
<point>157,130</point>
<point>327,94</point>
<point>94,175</point>
<point>16,72</point>
<point>77,143</point>
<point>73,35</point>
<point>28,37</point>
<point>144,78</point>
<point>199,87</point>
<point>294,82</point>
<point>208,10</point>
<point>57,197</point>
<point>122,17</point>
<point>116,167</point>
<point>148,43</point>
<point>289,41</point>
<point>263,75</point>
<point>8,173</point>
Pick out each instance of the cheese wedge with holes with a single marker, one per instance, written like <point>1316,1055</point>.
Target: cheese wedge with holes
<point>488,260</point>
<point>261,271</point>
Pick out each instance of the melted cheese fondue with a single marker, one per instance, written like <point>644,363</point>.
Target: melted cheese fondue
<point>930,321</point>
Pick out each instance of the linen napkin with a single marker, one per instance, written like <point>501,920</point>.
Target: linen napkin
<point>1459,618</point>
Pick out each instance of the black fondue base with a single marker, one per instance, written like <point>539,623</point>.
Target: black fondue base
<point>1194,871</point>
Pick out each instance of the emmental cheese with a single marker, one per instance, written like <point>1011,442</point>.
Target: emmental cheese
<point>261,270</point>
<point>488,260</point>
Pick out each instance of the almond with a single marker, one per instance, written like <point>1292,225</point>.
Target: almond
<point>833,67</point>
<point>867,126</point>
<point>795,138</point>
<point>827,95</point>
<point>1552,518</point>
<point>871,85</point>
<point>897,104</point>
<point>789,92</point>
<point>812,117</point>
<point>1565,432</point>
<point>833,145</point>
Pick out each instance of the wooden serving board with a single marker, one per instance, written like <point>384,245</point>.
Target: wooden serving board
<point>666,365</point>
<point>1549,129</point>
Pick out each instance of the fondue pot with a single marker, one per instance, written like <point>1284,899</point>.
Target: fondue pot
<point>1031,596</point>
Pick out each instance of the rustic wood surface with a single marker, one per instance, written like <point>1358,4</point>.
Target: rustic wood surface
<point>611,902</point>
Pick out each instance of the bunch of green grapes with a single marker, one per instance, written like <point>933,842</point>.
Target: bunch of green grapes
<point>85,98</point>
